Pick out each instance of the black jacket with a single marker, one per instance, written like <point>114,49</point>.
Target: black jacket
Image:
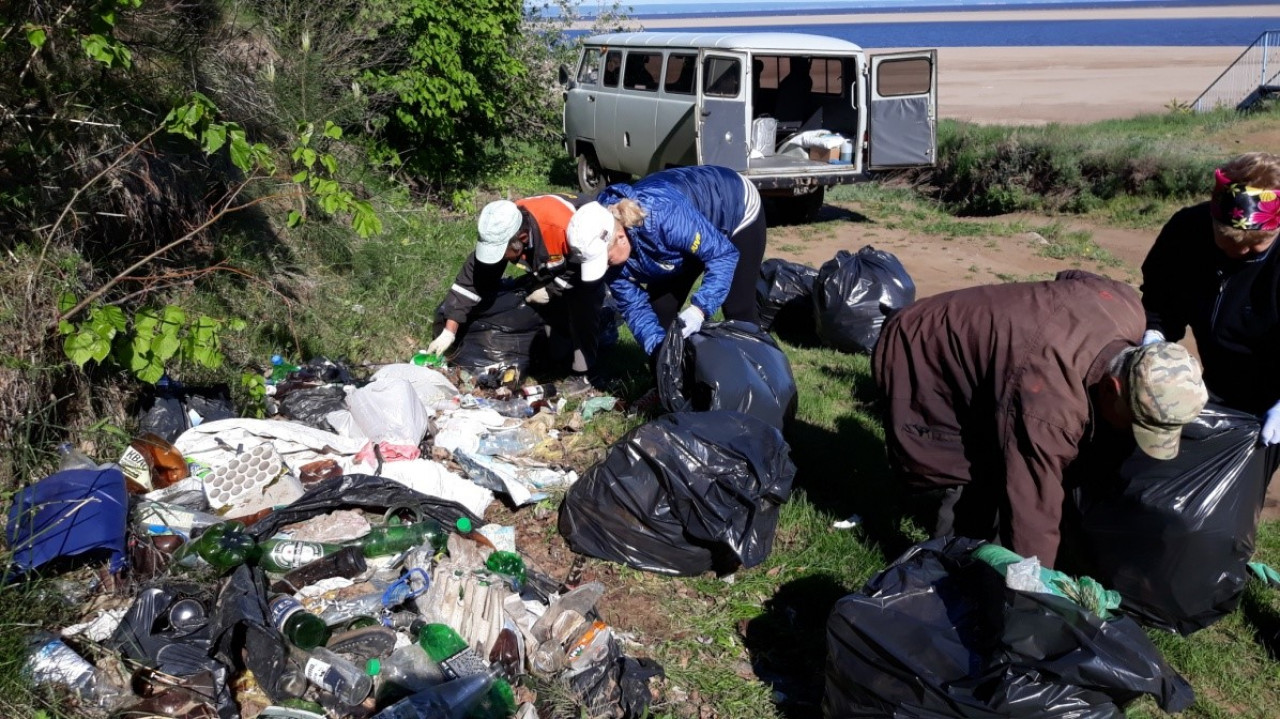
<point>1232,307</point>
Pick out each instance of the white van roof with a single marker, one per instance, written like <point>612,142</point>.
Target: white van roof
<point>787,42</point>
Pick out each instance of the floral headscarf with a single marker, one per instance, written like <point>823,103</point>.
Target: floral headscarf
<point>1244,207</point>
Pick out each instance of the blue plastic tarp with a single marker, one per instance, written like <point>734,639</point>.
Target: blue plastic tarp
<point>66,514</point>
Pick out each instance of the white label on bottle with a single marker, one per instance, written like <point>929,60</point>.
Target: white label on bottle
<point>135,467</point>
<point>294,554</point>
<point>318,673</point>
<point>57,663</point>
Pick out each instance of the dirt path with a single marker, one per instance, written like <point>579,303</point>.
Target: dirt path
<point>940,264</point>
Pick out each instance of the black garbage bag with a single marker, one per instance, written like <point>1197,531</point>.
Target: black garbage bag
<point>1174,536</point>
<point>937,634</point>
<point>244,637</point>
<point>686,493</point>
<point>500,330</point>
<point>312,405</point>
<point>168,409</point>
<point>727,365</point>
<point>854,293</point>
<point>616,686</point>
<point>359,490</point>
<point>784,298</point>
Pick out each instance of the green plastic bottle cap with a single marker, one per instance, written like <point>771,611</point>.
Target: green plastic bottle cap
<point>373,667</point>
<point>464,525</point>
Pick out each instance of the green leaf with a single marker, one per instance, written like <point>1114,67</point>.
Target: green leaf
<point>66,301</point>
<point>308,157</point>
<point>364,220</point>
<point>100,348</point>
<point>140,355</point>
<point>329,163</point>
<point>96,47</point>
<point>65,327</point>
<point>208,357</point>
<point>79,347</point>
<point>36,36</point>
<point>145,322</point>
<point>237,325</point>
<point>151,373</point>
<point>215,136</point>
<point>300,177</point>
<point>164,346</point>
<point>114,317</point>
<point>174,316</point>
<point>295,218</point>
<point>241,153</point>
<point>332,131</point>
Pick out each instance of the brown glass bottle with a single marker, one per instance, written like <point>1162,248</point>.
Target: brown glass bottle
<point>152,462</point>
<point>347,562</point>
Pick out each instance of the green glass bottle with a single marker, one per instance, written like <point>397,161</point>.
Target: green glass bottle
<point>508,565</point>
<point>283,555</point>
<point>304,629</point>
<point>458,660</point>
<point>223,546</point>
<point>391,539</point>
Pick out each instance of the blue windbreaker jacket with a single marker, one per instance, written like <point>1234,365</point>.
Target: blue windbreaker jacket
<point>691,212</point>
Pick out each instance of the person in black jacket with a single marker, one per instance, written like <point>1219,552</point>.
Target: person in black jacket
<point>1215,268</point>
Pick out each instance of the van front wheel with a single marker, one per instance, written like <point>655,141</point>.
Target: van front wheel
<point>591,177</point>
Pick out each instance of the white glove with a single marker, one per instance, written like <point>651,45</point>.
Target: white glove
<point>1271,426</point>
<point>1151,337</point>
<point>441,343</point>
<point>538,297</point>
<point>692,318</point>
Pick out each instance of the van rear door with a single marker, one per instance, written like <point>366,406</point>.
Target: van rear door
<point>904,110</point>
<point>722,135</point>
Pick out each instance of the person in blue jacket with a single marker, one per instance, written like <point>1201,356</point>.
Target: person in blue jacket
<point>652,240</point>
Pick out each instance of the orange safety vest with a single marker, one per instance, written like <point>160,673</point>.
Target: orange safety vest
<point>552,213</point>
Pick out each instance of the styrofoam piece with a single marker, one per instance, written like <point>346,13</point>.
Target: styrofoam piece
<point>215,443</point>
<point>247,474</point>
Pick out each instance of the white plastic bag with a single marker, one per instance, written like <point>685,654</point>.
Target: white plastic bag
<point>389,411</point>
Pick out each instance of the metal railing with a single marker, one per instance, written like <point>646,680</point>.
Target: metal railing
<point>1252,76</point>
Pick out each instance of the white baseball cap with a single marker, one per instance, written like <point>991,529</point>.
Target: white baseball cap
<point>589,231</point>
<point>499,222</point>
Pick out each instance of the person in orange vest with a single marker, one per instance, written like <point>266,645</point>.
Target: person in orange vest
<point>530,232</point>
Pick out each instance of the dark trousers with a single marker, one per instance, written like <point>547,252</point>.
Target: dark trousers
<point>669,295</point>
<point>576,314</point>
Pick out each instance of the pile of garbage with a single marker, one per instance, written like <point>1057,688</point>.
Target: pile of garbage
<point>332,561</point>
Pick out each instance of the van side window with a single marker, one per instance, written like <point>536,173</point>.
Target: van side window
<point>909,76</point>
<point>721,77</point>
<point>612,68</point>
<point>642,71</point>
<point>589,73</point>
<point>680,72</point>
<point>827,75</point>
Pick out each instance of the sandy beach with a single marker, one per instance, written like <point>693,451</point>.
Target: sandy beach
<point>1039,85</point>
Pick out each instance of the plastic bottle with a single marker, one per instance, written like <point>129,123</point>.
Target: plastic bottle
<point>280,369</point>
<point>283,555</point>
<point>467,530</point>
<point>846,151</point>
<point>538,391</point>
<point>519,408</point>
<point>451,700</point>
<point>406,671</point>
<point>346,562</point>
<point>52,662</point>
<point>508,565</point>
<point>71,458</point>
<point>159,518</point>
<point>304,629</point>
<point>152,462</point>
<point>509,442</point>
<point>374,603</point>
<point>426,359</point>
<point>391,539</point>
<point>449,650</point>
<point>223,546</point>
<point>334,674</point>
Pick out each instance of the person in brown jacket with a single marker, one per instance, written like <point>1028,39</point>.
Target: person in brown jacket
<point>990,392</point>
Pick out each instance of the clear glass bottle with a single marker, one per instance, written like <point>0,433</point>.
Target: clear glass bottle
<point>334,674</point>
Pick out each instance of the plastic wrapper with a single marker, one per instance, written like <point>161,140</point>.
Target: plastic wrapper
<point>616,687</point>
<point>784,298</point>
<point>66,514</point>
<point>1174,536</point>
<point>684,494</point>
<point>727,365</point>
<point>854,293</point>
<point>310,405</point>
<point>938,634</point>
<point>389,411</point>
<point>359,490</point>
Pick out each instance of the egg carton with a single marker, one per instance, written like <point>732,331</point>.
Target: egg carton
<point>243,477</point>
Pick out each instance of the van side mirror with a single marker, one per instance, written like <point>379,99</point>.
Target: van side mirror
<point>564,77</point>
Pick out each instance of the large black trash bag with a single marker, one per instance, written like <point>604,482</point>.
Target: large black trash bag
<point>168,409</point>
<point>727,365</point>
<point>505,330</point>
<point>784,298</point>
<point>1174,536</point>
<point>358,490</point>
<point>854,293</point>
<point>686,493</point>
<point>937,634</point>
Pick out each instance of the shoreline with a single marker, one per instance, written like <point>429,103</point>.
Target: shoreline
<point>779,21</point>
